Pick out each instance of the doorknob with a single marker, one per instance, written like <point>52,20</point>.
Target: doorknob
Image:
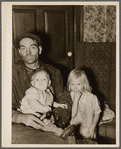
<point>69,54</point>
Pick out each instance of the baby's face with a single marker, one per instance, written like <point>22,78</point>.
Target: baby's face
<point>41,81</point>
<point>76,85</point>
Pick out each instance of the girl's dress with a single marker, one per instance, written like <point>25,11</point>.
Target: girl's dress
<point>88,106</point>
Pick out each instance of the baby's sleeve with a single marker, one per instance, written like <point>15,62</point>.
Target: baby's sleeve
<point>27,101</point>
<point>31,94</point>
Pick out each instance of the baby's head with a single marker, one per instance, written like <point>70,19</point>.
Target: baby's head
<point>41,80</point>
<point>78,81</point>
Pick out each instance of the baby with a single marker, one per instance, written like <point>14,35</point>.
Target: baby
<point>39,97</point>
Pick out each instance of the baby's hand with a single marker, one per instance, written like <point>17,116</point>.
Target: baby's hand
<point>63,106</point>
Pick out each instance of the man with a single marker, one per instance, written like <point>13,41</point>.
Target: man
<point>29,48</point>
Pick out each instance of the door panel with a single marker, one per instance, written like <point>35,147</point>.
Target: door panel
<point>54,24</point>
<point>23,20</point>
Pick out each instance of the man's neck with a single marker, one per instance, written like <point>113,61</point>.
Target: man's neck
<point>33,66</point>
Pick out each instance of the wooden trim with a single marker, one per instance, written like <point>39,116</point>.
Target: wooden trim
<point>112,97</point>
<point>39,19</point>
<point>78,23</point>
<point>81,23</point>
<point>78,32</point>
<point>79,55</point>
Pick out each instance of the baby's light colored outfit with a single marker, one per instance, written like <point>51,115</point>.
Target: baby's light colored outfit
<point>43,97</point>
<point>88,106</point>
<point>32,94</point>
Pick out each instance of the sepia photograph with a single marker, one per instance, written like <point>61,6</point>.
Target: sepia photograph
<point>60,74</point>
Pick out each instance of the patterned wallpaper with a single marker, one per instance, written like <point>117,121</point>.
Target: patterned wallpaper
<point>99,23</point>
<point>97,57</point>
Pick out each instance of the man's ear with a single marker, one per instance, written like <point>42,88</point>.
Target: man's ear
<point>40,49</point>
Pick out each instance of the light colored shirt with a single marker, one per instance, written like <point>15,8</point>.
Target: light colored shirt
<point>43,97</point>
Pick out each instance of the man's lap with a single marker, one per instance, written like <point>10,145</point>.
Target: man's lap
<point>22,134</point>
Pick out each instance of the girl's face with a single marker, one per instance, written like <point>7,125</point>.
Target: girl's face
<point>76,85</point>
<point>41,81</point>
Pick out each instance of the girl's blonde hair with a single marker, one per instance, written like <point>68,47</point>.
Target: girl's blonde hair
<point>77,73</point>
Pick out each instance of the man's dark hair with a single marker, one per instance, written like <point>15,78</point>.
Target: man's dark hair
<point>27,35</point>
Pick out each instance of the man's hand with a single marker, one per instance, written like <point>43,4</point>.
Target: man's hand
<point>47,121</point>
<point>28,120</point>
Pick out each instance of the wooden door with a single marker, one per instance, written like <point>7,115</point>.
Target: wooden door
<point>54,24</point>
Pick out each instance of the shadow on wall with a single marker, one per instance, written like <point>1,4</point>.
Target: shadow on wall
<point>95,87</point>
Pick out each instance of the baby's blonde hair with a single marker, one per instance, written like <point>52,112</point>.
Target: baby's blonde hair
<point>39,71</point>
<point>77,73</point>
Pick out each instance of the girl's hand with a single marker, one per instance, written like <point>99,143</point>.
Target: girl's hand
<point>71,121</point>
<point>92,133</point>
<point>77,95</point>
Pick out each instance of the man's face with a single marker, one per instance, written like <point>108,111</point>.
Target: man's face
<point>29,50</point>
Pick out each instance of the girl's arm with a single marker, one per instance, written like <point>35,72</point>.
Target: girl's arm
<point>96,109</point>
<point>75,103</point>
<point>94,124</point>
<point>96,118</point>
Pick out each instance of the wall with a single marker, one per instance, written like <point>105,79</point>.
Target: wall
<point>99,24</point>
<point>96,52</point>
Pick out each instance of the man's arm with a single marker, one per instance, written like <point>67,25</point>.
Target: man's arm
<point>27,119</point>
<point>62,115</point>
<point>18,117</point>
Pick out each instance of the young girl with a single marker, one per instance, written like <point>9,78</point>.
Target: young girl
<point>85,108</point>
